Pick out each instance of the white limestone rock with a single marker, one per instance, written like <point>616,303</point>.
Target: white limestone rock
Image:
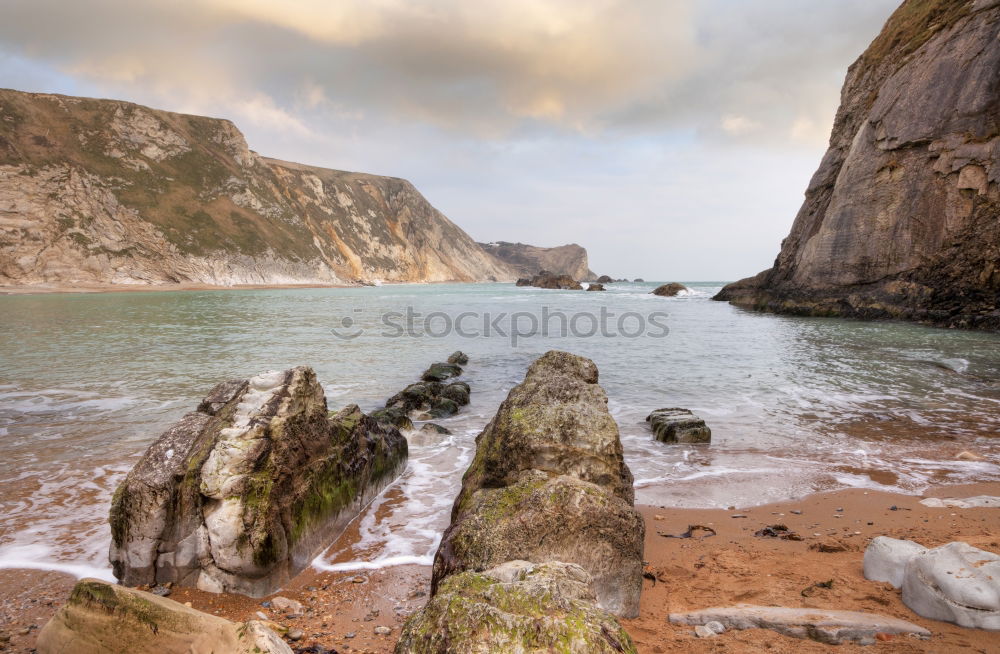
<point>886,558</point>
<point>955,583</point>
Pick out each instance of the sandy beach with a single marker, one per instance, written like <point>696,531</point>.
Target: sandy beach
<point>342,610</point>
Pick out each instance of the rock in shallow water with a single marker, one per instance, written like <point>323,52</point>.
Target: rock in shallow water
<point>825,626</point>
<point>678,426</point>
<point>515,607</point>
<point>102,618</point>
<point>241,495</point>
<point>549,483</point>
<point>669,290</point>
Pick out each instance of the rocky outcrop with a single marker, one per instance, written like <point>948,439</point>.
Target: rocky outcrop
<point>669,290</point>
<point>550,280</point>
<point>678,426</point>
<point>528,260</point>
<point>429,398</point>
<point>109,192</point>
<point>954,583</point>
<point>241,494</point>
<point>901,219</point>
<point>604,279</point>
<point>823,625</point>
<point>594,286</point>
<point>515,607</point>
<point>549,483</point>
<point>103,618</point>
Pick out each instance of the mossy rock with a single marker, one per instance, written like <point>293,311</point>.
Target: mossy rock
<point>515,607</point>
<point>441,372</point>
<point>458,357</point>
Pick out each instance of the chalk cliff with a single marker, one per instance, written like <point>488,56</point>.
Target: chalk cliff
<point>108,192</point>
<point>529,260</point>
<point>902,219</point>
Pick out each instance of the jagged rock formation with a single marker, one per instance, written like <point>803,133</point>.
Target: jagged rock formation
<point>109,192</point>
<point>902,219</point>
<point>103,618</point>
<point>242,494</point>
<point>528,260</point>
<point>550,280</point>
<point>515,607</point>
<point>549,483</point>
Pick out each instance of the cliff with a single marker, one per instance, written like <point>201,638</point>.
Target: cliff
<point>109,192</point>
<point>902,219</point>
<point>529,260</point>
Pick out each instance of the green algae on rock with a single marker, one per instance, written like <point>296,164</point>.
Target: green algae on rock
<point>241,494</point>
<point>515,607</point>
<point>103,618</point>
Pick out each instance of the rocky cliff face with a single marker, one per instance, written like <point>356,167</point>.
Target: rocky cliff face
<point>902,219</point>
<point>101,191</point>
<point>529,260</point>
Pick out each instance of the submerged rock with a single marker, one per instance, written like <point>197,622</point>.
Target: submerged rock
<point>549,482</point>
<point>669,290</point>
<point>546,279</point>
<point>103,618</point>
<point>458,357</point>
<point>439,372</point>
<point>678,426</point>
<point>594,286</point>
<point>242,494</point>
<point>823,625</point>
<point>515,607</point>
<point>604,279</point>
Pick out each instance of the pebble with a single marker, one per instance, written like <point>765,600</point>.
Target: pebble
<point>187,604</point>
<point>260,614</point>
<point>737,515</point>
<point>349,634</point>
<point>295,634</point>
<point>161,591</point>
<point>702,631</point>
<point>382,630</point>
<point>795,512</point>
<point>716,626</point>
<point>358,580</point>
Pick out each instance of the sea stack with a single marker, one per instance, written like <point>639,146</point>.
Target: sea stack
<point>902,219</point>
<point>243,493</point>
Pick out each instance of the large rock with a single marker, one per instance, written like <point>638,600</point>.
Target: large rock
<point>886,558</point>
<point>243,493</point>
<point>102,618</point>
<point>515,607</point>
<point>823,625</point>
<point>900,219</point>
<point>549,482</point>
<point>546,279</point>
<point>977,502</point>
<point>678,426</point>
<point>669,290</point>
<point>955,583</point>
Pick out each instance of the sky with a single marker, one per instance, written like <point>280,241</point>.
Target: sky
<point>673,139</point>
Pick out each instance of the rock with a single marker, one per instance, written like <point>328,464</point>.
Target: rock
<point>716,627</point>
<point>392,416</point>
<point>287,605</point>
<point>669,290</point>
<point>161,591</point>
<point>546,279</point>
<point>639,280</point>
<point>382,630</point>
<point>604,279</point>
<point>825,626</point>
<point>459,358</point>
<point>515,607</point>
<point>103,618</point>
<point>899,221</point>
<point>969,456</point>
<point>296,634</point>
<point>977,502</point>
<point>244,497</point>
<point>702,631</point>
<point>440,372</point>
<point>523,281</point>
<point>593,286</point>
<point>549,483</point>
<point>954,583</point>
<point>885,559</point>
<point>678,426</point>
<point>457,392</point>
<point>432,428</point>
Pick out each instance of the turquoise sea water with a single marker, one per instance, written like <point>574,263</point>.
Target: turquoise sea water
<point>796,405</point>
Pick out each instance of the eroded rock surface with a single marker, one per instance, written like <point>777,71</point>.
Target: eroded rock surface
<point>103,618</point>
<point>549,483</point>
<point>515,607</point>
<point>823,625</point>
<point>956,583</point>
<point>241,494</point>
<point>678,426</point>
<point>901,218</point>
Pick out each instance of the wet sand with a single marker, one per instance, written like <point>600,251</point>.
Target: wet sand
<point>342,610</point>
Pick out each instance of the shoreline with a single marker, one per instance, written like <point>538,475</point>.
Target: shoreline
<point>342,609</point>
